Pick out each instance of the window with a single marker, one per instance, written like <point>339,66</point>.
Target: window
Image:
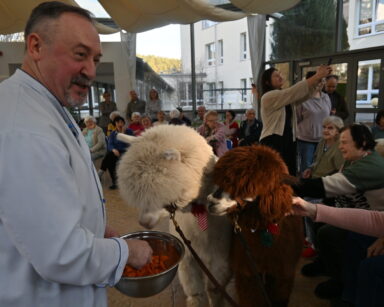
<point>211,90</point>
<point>243,86</point>
<point>371,17</point>
<point>221,51</point>
<point>208,23</point>
<point>210,50</point>
<point>368,79</point>
<point>243,46</point>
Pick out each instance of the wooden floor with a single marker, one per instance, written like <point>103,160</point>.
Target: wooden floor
<point>124,220</point>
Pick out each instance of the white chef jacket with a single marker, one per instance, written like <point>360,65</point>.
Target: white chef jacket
<point>52,216</point>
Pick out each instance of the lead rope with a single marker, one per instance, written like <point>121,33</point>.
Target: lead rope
<point>172,209</point>
<point>251,259</point>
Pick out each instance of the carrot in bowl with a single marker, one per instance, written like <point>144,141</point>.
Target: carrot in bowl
<point>157,265</point>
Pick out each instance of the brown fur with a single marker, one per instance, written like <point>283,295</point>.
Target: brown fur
<point>259,172</point>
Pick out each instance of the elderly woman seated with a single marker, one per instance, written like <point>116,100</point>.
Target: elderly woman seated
<point>214,132</point>
<point>95,138</point>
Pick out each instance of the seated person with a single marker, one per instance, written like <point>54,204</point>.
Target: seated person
<point>111,127</point>
<point>231,128</point>
<point>174,116</point>
<point>135,124</point>
<point>359,184</point>
<point>95,138</point>
<point>250,129</point>
<point>115,150</point>
<point>368,288</point>
<point>146,122</point>
<point>185,119</point>
<point>328,158</point>
<point>160,119</point>
<point>378,128</point>
<point>214,132</point>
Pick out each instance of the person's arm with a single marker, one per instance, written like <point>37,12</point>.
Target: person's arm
<point>43,213</point>
<point>219,133</point>
<point>366,222</point>
<point>100,141</point>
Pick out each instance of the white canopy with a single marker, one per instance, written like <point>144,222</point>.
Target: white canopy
<point>142,15</point>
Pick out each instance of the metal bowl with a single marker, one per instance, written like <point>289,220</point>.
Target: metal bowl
<point>162,244</point>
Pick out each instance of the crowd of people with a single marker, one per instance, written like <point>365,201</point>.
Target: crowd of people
<point>337,165</point>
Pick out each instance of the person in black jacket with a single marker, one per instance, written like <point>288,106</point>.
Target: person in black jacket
<point>339,105</point>
<point>250,129</point>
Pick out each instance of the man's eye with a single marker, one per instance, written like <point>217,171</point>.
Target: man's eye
<point>81,54</point>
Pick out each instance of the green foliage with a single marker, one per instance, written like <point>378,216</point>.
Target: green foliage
<point>161,64</point>
<point>307,30</point>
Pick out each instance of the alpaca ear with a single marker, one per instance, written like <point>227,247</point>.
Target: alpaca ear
<point>171,154</point>
<point>126,138</point>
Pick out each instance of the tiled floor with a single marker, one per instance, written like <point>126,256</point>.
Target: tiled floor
<point>124,220</point>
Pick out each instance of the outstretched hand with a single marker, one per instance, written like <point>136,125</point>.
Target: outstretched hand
<point>303,208</point>
<point>140,253</point>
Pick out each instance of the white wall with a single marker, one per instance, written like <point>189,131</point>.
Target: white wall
<point>355,41</point>
<point>233,69</point>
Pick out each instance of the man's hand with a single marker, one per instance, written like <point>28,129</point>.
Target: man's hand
<point>376,249</point>
<point>140,253</point>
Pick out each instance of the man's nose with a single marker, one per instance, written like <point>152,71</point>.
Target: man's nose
<point>89,69</point>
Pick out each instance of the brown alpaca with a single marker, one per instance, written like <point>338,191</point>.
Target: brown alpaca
<point>254,184</point>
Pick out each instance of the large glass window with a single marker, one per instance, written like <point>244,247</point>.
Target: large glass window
<point>368,79</point>
<point>307,30</point>
<point>371,17</point>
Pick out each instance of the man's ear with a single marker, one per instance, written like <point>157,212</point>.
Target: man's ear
<point>34,46</point>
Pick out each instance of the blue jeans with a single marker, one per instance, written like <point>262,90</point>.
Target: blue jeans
<point>305,151</point>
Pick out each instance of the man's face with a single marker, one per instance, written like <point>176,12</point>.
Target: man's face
<point>348,147</point>
<point>133,95</point>
<point>107,97</point>
<point>250,115</point>
<point>330,85</point>
<point>67,62</point>
<point>201,112</point>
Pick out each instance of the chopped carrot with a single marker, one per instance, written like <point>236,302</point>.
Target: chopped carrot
<point>157,265</point>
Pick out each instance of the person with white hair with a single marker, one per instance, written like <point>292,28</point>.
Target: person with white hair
<point>95,138</point>
<point>250,129</point>
<point>55,246</point>
<point>135,124</point>
<point>111,127</point>
<point>328,158</point>
<point>174,116</point>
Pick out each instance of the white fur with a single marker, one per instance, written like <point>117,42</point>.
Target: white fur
<point>173,164</point>
<point>220,206</point>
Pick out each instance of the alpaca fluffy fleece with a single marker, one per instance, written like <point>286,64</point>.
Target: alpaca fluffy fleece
<point>255,177</point>
<point>173,164</point>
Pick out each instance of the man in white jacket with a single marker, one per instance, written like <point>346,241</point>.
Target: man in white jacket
<point>54,244</point>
